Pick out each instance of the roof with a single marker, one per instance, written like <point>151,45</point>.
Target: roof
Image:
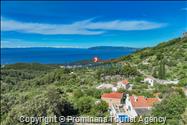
<point>149,78</point>
<point>125,82</point>
<point>142,102</point>
<point>116,95</point>
<point>151,101</point>
<point>103,86</point>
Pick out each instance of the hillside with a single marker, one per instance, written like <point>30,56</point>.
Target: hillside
<point>172,55</point>
<point>36,89</point>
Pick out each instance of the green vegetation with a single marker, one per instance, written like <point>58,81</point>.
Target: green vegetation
<point>168,60</point>
<point>171,107</point>
<point>162,71</point>
<point>47,90</point>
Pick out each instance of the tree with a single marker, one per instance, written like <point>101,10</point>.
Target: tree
<point>85,104</point>
<point>171,107</point>
<point>155,73</point>
<point>159,56</point>
<point>183,82</point>
<point>162,71</point>
<point>138,79</point>
<point>49,103</point>
<point>99,109</point>
<point>77,93</point>
<point>122,90</point>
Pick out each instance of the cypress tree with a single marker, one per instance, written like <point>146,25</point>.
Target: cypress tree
<point>162,70</point>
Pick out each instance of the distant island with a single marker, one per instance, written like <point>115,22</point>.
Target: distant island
<point>113,48</point>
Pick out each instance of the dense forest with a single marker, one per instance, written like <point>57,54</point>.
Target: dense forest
<point>47,90</point>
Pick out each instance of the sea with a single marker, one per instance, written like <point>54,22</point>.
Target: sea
<point>57,55</point>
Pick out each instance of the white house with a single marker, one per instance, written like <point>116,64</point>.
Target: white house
<point>139,105</point>
<point>123,84</point>
<point>108,86</point>
<point>149,80</point>
<point>131,111</point>
<point>105,86</point>
<point>114,89</point>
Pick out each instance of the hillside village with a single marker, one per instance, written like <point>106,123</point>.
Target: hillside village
<point>122,106</point>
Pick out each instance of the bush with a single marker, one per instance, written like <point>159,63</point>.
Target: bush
<point>85,104</point>
<point>171,107</point>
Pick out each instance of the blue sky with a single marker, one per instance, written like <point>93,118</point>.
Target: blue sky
<point>86,24</point>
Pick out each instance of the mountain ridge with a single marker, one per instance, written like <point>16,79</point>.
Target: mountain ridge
<point>112,48</point>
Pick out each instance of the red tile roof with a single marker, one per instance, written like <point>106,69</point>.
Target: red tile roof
<point>116,95</point>
<point>151,101</point>
<point>125,82</point>
<point>142,102</point>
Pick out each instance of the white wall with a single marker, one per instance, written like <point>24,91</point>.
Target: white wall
<point>128,104</point>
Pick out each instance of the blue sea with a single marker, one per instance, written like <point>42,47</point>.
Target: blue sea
<point>56,55</point>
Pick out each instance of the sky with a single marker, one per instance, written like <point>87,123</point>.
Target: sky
<point>84,24</point>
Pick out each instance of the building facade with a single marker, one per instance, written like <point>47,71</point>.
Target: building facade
<point>113,98</point>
